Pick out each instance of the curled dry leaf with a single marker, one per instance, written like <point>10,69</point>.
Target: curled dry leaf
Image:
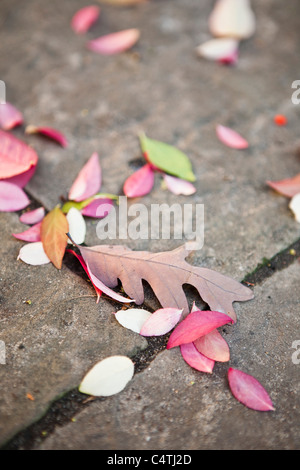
<point>219,49</point>
<point>54,231</point>
<point>213,346</point>
<point>12,198</point>
<point>232,18</point>
<point>161,322</point>
<point>88,181</point>
<point>33,217</point>
<point>10,116</point>
<point>133,318</point>
<point>33,234</point>
<point>33,254</point>
<point>249,391</point>
<point>178,186</point>
<point>231,138</point>
<point>84,19</point>
<point>195,359</point>
<point>139,183</point>
<point>15,156</point>
<point>295,206</point>
<point>115,43</point>
<point>77,226</point>
<point>108,377</point>
<point>288,187</point>
<point>49,132</point>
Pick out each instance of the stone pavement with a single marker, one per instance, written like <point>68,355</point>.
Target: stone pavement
<point>102,104</point>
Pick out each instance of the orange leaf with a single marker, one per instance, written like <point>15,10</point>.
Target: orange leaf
<point>53,235</point>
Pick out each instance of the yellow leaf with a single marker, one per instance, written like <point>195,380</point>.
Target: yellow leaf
<point>53,235</point>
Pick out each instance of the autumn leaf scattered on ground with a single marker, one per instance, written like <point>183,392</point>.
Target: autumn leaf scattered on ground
<point>54,231</point>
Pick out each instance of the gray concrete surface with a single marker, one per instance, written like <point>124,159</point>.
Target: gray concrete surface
<point>101,104</point>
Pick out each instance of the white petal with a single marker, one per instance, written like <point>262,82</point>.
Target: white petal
<point>218,49</point>
<point>232,18</point>
<point>77,226</point>
<point>108,377</point>
<point>133,318</point>
<point>295,206</point>
<point>33,254</point>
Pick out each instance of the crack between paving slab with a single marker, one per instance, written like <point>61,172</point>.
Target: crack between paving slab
<point>64,409</point>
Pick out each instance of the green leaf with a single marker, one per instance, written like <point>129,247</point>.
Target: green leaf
<point>167,158</point>
<point>81,205</point>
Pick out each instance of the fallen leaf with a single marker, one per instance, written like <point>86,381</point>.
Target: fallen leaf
<point>33,217</point>
<point>15,156</point>
<point>81,260</point>
<point>115,43</point>
<point>77,226</point>
<point>82,204</point>
<point>88,181</point>
<point>53,235</point>
<point>232,18</point>
<point>22,179</point>
<point>12,198</point>
<point>213,346</point>
<point>108,377</point>
<point>294,205</point>
<point>33,254</point>
<point>195,359</point>
<point>85,18</point>
<point>139,183</point>
<point>10,116</point>
<point>247,390</point>
<point>231,138</point>
<point>166,273</point>
<point>133,318</point>
<point>178,186</point>
<point>161,322</point>
<point>98,208</point>
<point>219,49</point>
<point>33,234</point>
<point>197,324</point>
<point>167,158</point>
<point>288,187</point>
<point>49,132</point>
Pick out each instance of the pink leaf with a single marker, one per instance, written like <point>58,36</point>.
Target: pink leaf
<point>139,183</point>
<point>10,116</point>
<point>178,186</point>
<point>213,346</point>
<point>161,322</point>
<point>195,359</point>
<point>82,262</point>
<point>33,217</point>
<point>231,138</point>
<point>15,156</point>
<point>49,132</point>
<point>84,19</point>
<point>197,324</point>
<point>289,187</point>
<point>12,198</point>
<point>88,181</point>
<point>22,179</point>
<point>33,234</point>
<point>249,391</point>
<point>98,208</point>
<point>114,43</point>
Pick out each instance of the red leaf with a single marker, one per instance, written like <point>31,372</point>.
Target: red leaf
<point>139,183</point>
<point>161,322</point>
<point>231,138</point>
<point>195,359</point>
<point>85,18</point>
<point>88,181</point>
<point>249,391</point>
<point>213,346</point>
<point>114,43</point>
<point>10,116</point>
<point>49,132</point>
<point>81,260</point>
<point>15,156</point>
<point>33,234</point>
<point>12,198</point>
<point>288,187</point>
<point>197,324</point>
<point>33,217</point>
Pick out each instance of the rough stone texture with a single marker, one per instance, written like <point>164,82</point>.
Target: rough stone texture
<point>101,104</point>
<point>171,406</point>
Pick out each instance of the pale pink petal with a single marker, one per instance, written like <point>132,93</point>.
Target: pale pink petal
<point>139,183</point>
<point>195,359</point>
<point>10,116</point>
<point>133,318</point>
<point>218,49</point>
<point>161,322</point>
<point>12,198</point>
<point>33,217</point>
<point>84,19</point>
<point>77,226</point>
<point>197,324</point>
<point>33,234</point>
<point>178,186</point>
<point>249,391</point>
<point>22,179</point>
<point>49,132</point>
<point>231,138</point>
<point>114,43</point>
<point>88,181</point>
<point>33,254</point>
<point>294,205</point>
<point>232,18</point>
<point>289,187</point>
<point>213,346</point>
<point>16,157</point>
<point>82,262</point>
<point>98,208</point>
